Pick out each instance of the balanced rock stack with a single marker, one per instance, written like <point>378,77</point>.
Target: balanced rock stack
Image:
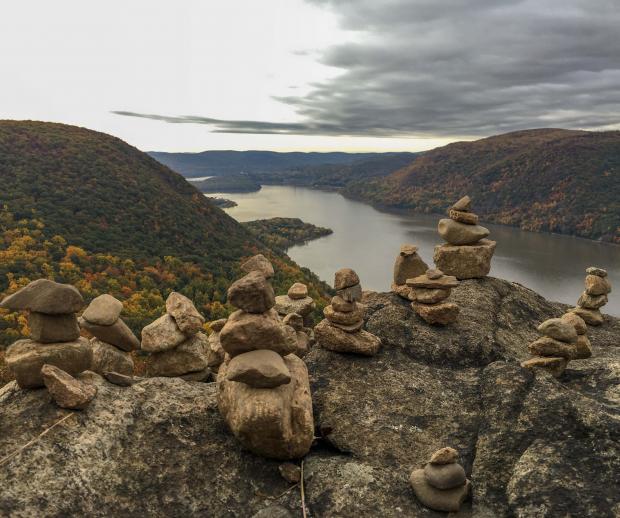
<point>263,389</point>
<point>407,266</point>
<point>594,297</point>
<point>442,485</point>
<point>341,330</point>
<point>429,293</point>
<point>177,347</point>
<point>113,340</point>
<point>467,254</point>
<point>55,333</point>
<point>297,301</point>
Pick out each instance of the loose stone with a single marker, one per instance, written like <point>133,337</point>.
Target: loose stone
<point>335,339</point>
<point>584,348</point>
<point>445,476</point>
<point>592,317</point>
<point>547,346</point>
<point>465,262</point>
<point>351,294</point>
<point>290,472</point>
<point>591,302</point>
<point>45,296</point>
<point>104,310</point>
<point>341,305</point>
<point>429,296</point>
<point>593,270</point>
<point>408,264</point>
<point>67,391</point>
<point>445,455</point>
<point>443,313</point>
<point>596,285</point>
<point>53,328</point>
<point>189,356</point>
<point>468,218</point>
<point>261,369</point>
<point>555,366</point>
<point>260,264</point>
<point>345,278</point>
<point>447,500</point>
<point>252,293</point>
<point>184,313</point>
<point>347,319</point>
<point>298,291</point>
<point>576,321</point>
<point>122,380</point>
<point>558,329</point>
<point>456,233</point>
<point>107,358</point>
<point>118,334</point>
<point>162,335</point>
<point>463,205</point>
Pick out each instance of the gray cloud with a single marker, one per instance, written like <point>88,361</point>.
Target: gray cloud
<point>457,68</point>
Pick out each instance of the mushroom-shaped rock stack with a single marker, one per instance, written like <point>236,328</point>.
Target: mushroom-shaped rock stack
<point>55,333</point>
<point>442,485</point>
<point>297,301</point>
<point>341,330</point>
<point>407,266</point>
<point>594,297</point>
<point>467,254</point>
<point>429,293</point>
<point>263,389</point>
<point>113,340</point>
<point>175,342</point>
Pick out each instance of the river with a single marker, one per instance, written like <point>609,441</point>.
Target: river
<point>368,241</point>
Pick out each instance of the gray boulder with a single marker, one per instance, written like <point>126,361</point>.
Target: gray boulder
<point>45,296</point>
<point>104,310</point>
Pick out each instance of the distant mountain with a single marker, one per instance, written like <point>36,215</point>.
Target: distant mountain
<point>551,180</point>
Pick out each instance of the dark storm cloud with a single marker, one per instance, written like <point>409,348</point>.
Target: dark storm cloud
<point>460,67</point>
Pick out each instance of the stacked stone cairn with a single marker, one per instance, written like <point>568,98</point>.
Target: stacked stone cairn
<point>563,339</point>
<point>429,293</point>
<point>263,389</point>
<point>442,484</point>
<point>55,334</point>
<point>297,301</point>
<point>341,330</point>
<point>594,297</point>
<point>177,346</point>
<point>467,254</point>
<point>113,340</point>
<point>407,266</point>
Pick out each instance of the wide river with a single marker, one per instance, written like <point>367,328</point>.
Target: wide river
<point>368,240</point>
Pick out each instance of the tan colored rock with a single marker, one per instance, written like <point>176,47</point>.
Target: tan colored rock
<point>118,334</point>
<point>408,264</point>
<point>434,273</point>
<point>122,380</point>
<point>286,305</point>
<point>442,283</point>
<point>576,321</point>
<point>246,332</point>
<point>351,294</point>
<point>591,301</point>
<point>162,335</point>
<point>547,346</point>
<point>592,317</point>
<point>295,320</point>
<point>184,313</point>
<point>593,270</point>
<point>215,352</point>
<point>347,319</point>
<point>276,423</point>
<point>345,278</point>
<point>445,455</point>
<point>445,476</point>
<point>67,391</point>
<point>259,369</point>
<point>298,291</point>
<point>429,296</point>
<point>468,218</point>
<point>290,472</point>
<point>303,343</point>
<point>189,356</point>
<point>584,348</point>
<point>103,310</point>
<point>339,304</point>
<point>443,313</point>
<point>25,358</point>
<point>558,329</point>
<point>258,263</point>
<point>218,325</point>
<point>107,358</point>
<point>402,290</point>
<point>596,285</point>
<point>448,500</point>
<point>53,328</point>
<point>555,366</point>
<point>463,205</point>
<point>252,293</point>
<point>45,296</point>
<point>335,339</point>
<point>456,233</point>
<point>465,262</point>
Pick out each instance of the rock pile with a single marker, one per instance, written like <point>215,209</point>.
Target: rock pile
<point>407,266</point>
<point>263,389</point>
<point>442,485</point>
<point>297,301</point>
<point>429,293</point>
<point>467,254</point>
<point>594,297</point>
<point>341,330</point>
<point>113,340</point>
<point>177,347</point>
<point>55,333</point>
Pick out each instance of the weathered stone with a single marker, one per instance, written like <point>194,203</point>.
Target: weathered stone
<point>448,500</point>
<point>596,285</point>
<point>252,293</point>
<point>445,455</point>
<point>218,325</point>
<point>339,304</point>
<point>66,391</point>
<point>467,218</point>
<point>429,296</point>
<point>53,328</point>
<point>275,423</point>
<point>348,328</point>
<point>558,329</point>
<point>104,310</point>
<point>592,317</point>
<point>215,353</point>
<point>290,472</point>
<point>555,366</point>
<point>408,264</point>
<point>345,278</point>
<point>295,320</point>
<point>286,305</point>
<point>122,380</point>
<point>189,356</point>
<point>456,233</point>
<point>465,262</point>
<point>547,346</point>
<point>434,273</point>
<point>162,335</point>
<point>259,369</point>
<point>423,281</point>
<point>583,347</point>
<point>184,313</point>
<point>335,339</point>
<point>591,301</point>
<point>273,511</point>
<point>117,334</point>
<point>246,332</point>
<point>199,376</point>
<point>463,205</point>
<point>443,313</point>
<point>25,358</point>
<point>402,290</point>
<point>107,358</point>
<point>445,476</point>
<point>303,343</point>
<point>45,296</point>
<point>259,263</point>
<point>298,291</point>
<point>576,321</point>
<point>593,270</point>
<point>347,319</point>
<point>351,294</point>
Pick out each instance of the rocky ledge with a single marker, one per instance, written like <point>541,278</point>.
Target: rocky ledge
<point>531,445</point>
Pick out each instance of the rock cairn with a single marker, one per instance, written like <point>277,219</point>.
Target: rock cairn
<point>429,293</point>
<point>467,254</point>
<point>177,347</point>
<point>113,340</point>
<point>442,485</point>
<point>341,330</point>
<point>407,266</point>
<point>297,301</point>
<point>263,389</point>
<point>594,297</point>
<point>55,333</point>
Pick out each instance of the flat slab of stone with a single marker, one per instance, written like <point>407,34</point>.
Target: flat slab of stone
<point>348,319</point>
<point>285,305</point>
<point>456,233</point>
<point>122,380</point>
<point>45,296</point>
<point>555,366</point>
<point>184,313</point>
<point>448,500</point>
<point>107,358</point>
<point>252,293</point>
<point>298,291</point>
<point>345,278</point>
<point>558,329</point>
<point>104,310</point>
<point>259,263</point>
<point>53,328</point>
<point>66,391</point>
<point>423,281</point>
<point>118,334</point>
<point>465,262</point>
<point>402,290</point>
<point>592,317</point>
<point>335,339</point>
<point>189,356</point>
<point>547,346</point>
<point>444,313</point>
<point>162,335</point>
<point>429,296</point>
<point>260,369</point>
<point>464,204</point>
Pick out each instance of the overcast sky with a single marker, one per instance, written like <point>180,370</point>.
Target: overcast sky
<point>311,74</point>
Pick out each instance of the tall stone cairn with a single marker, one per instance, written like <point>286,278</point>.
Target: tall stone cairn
<point>178,347</point>
<point>408,265</point>
<point>594,297</point>
<point>466,254</point>
<point>341,330</point>
<point>263,387</point>
<point>429,293</point>
<point>54,332</point>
